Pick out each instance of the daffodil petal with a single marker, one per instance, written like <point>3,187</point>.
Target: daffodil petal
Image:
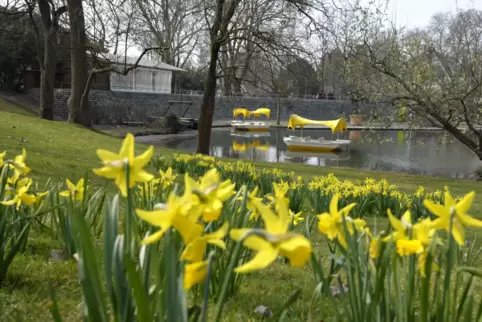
<point>297,249</point>
<point>458,233</point>
<point>326,225</point>
<point>436,209</point>
<point>469,221</point>
<point>108,156</point>
<point>260,261</point>
<point>449,201</point>
<point>252,242</point>
<point>395,222</point>
<point>142,176</point>
<point>70,185</point>
<point>269,217</point>
<point>27,199</point>
<point>142,160</point>
<point>121,183</point>
<point>218,234</point>
<point>195,273</point>
<point>80,184</point>
<point>107,172</point>
<point>157,218</point>
<point>188,229</point>
<point>64,193</point>
<point>464,205</point>
<point>194,252</point>
<point>154,237</point>
<point>407,247</point>
<point>346,210</point>
<point>217,242</point>
<point>9,202</point>
<point>334,204</point>
<point>127,148</point>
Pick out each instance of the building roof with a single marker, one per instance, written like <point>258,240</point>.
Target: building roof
<point>145,63</point>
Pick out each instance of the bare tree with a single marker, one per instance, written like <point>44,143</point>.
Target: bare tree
<point>46,14</point>
<point>50,16</point>
<point>79,109</point>
<point>221,18</point>
<point>171,24</point>
<point>102,48</point>
<point>434,72</point>
<point>253,37</point>
<point>254,22</point>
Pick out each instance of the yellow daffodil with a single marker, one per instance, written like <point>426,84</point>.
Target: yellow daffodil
<point>19,166</point>
<point>149,188</point>
<point>194,252</point>
<point>2,156</point>
<point>279,194</point>
<point>273,241</point>
<point>405,246</point>
<point>208,195</point>
<point>296,218</point>
<point>21,195</point>
<point>401,226</point>
<point>195,273</point>
<point>115,165</point>
<point>172,214</point>
<point>408,246</point>
<point>75,192</point>
<point>424,232</point>
<point>331,224</point>
<point>252,198</point>
<point>167,178</point>
<point>40,196</point>
<point>375,247</point>
<point>457,212</point>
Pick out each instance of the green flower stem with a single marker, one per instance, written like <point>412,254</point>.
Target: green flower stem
<point>128,224</point>
<point>448,271</point>
<point>204,311</point>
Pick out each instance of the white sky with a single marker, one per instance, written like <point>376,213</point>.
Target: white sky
<point>417,13</point>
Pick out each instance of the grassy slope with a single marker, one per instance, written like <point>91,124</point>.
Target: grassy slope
<point>60,150</point>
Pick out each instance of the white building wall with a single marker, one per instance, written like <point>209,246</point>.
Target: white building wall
<point>142,80</point>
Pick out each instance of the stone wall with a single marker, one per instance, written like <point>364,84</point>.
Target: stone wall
<point>109,107</point>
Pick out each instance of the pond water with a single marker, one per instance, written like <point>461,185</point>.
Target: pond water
<point>418,152</point>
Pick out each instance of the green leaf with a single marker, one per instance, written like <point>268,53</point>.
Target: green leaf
<point>54,308</point>
<point>471,270</point>
<point>291,300</point>
<point>170,265</point>
<point>140,296</point>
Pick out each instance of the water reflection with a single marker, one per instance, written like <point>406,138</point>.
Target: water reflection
<point>422,152</point>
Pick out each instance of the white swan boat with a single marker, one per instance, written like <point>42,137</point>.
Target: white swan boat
<point>250,134</point>
<point>301,144</point>
<point>326,155</point>
<point>255,126</point>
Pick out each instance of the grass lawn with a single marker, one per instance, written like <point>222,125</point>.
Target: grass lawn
<point>58,150</point>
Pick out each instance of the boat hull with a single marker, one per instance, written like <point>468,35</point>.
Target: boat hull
<point>308,145</point>
<point>326,155</point>
<point>307,148</point>
<point>250,134</point>
<point>251,129</point>
<point>250,126</point>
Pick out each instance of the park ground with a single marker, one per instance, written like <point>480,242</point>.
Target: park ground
<point>59,150</point>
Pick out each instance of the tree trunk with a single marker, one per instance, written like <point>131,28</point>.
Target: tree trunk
<point>278,109</point>
<point>79,110</point>
<point>48,62</point>
<point>207,105</point>
<point>47,78</point>
<point>236,86</point>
